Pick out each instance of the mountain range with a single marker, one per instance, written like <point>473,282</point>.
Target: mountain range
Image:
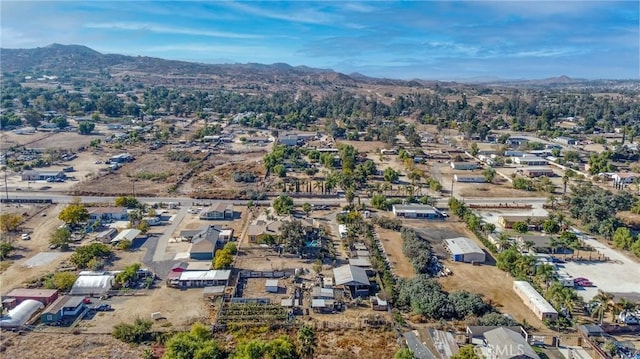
<point>72,61</point>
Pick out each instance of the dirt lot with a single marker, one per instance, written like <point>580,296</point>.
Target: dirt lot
<point>494,284</point>
<point>354,344</point>
<point>39,228</point>
<point>150,174</point>
<point>187,307</point>
<point>62,140</point>
<point>365,146</point>
<point>393,246</point>
<point>501,187</point>
<point>32,345</point>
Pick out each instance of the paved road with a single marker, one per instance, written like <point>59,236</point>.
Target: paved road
<point>160,253</point>
<point>184,201</point>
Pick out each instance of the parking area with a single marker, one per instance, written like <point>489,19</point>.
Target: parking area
<point>620,274</point>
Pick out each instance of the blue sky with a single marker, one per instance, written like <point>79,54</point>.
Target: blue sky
<point>410,39</point>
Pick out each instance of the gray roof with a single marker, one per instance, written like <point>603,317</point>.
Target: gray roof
<point>363,262</point>
<point>419,208</point>
<point>350,275</point>
<point>419,350</point>
<point>500,338</point>
<point>462,245</point>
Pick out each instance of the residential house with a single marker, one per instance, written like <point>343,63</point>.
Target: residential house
<point>469,179</point>
<point>416,211</point>
<point>33,175</point>
<point>530,160</point>
<point>503,343</point>
<point>566,140</point>
<point>466,166</point>
<point>199,279</point>
<point>108,213</point>
<point>507,221</point>
<point>289,140</point>
<point>624,177</point>
<point>204,242</point>
<point>516,141</point>
<point>538,172</point>
<point>353,278</point>
<point>121,158</point>
<point>218,210</point>
<point>65,308</point>
<point>534,301</point>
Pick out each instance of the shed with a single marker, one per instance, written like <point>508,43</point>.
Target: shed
<point>464,249</point>
<point>92,285</point>
<point>127,234</point>
<point>44,296</point>
<point>322,293</point>
<point>21,314</point>
<point>213,292</point>
<point>362,262</point>
<point>271,286</point>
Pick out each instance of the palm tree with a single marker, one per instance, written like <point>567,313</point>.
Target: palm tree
<point>604,300</point>
<point>545,272</point>
<point>552,200</point>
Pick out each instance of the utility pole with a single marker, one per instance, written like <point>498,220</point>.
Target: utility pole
<point>6,189</point>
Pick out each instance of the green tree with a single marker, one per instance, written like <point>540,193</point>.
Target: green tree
<point>280,170</point>
<point>390,175</point>
<point>137,332</point>
<point>222,259</point>
<point>127,201</point>
<point>61,237</point>
<point>466,352</point>
<point>379,201</point>
<point>128,274</point>
<point>404,353</point>
<point>622,238</point>
<point>293,236</point>
<point>74,214</point>
<point>86,127</point>
<point>307,341</point>
<point>521,227</point>
<point>84,254</point>
<point>306,208</point>
<point>489,174</point>
<point>5,249</point>
<point>551,226</point>
<point>62,281</point>
<point>474,149</point>
<point>283,204</point>
<point>231,247</point>
<point>9,222</point>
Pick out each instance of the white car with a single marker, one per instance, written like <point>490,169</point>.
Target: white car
<point>25,236</point>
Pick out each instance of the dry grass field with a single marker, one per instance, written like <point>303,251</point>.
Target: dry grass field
<point>44,345</point>
<point>393,246</point>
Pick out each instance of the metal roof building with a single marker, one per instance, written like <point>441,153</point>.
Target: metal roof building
<point>92,285</point>
<point>21,314</point>
<point>503,343</point>
<point>534,300</point>
<point>127,234</point>
<point>355,278</point>
<point>465,250</point>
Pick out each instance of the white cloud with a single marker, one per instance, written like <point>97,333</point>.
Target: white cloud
<point>308,15</point>
<point>135,26</point>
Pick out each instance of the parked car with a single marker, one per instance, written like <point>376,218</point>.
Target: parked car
<point>25,236</point>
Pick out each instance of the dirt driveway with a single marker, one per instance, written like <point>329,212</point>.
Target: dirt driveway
<point>392,242</point>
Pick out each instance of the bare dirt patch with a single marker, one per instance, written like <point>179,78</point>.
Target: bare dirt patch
<point>351,343</point>
<point>392,242</point>
<point>56,345</point>
<point>366,146</point>
<point>495,285</point>
<point>150,174</point>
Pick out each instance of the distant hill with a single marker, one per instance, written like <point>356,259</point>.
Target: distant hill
<point>76,60</point>
<point>71,62</point>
